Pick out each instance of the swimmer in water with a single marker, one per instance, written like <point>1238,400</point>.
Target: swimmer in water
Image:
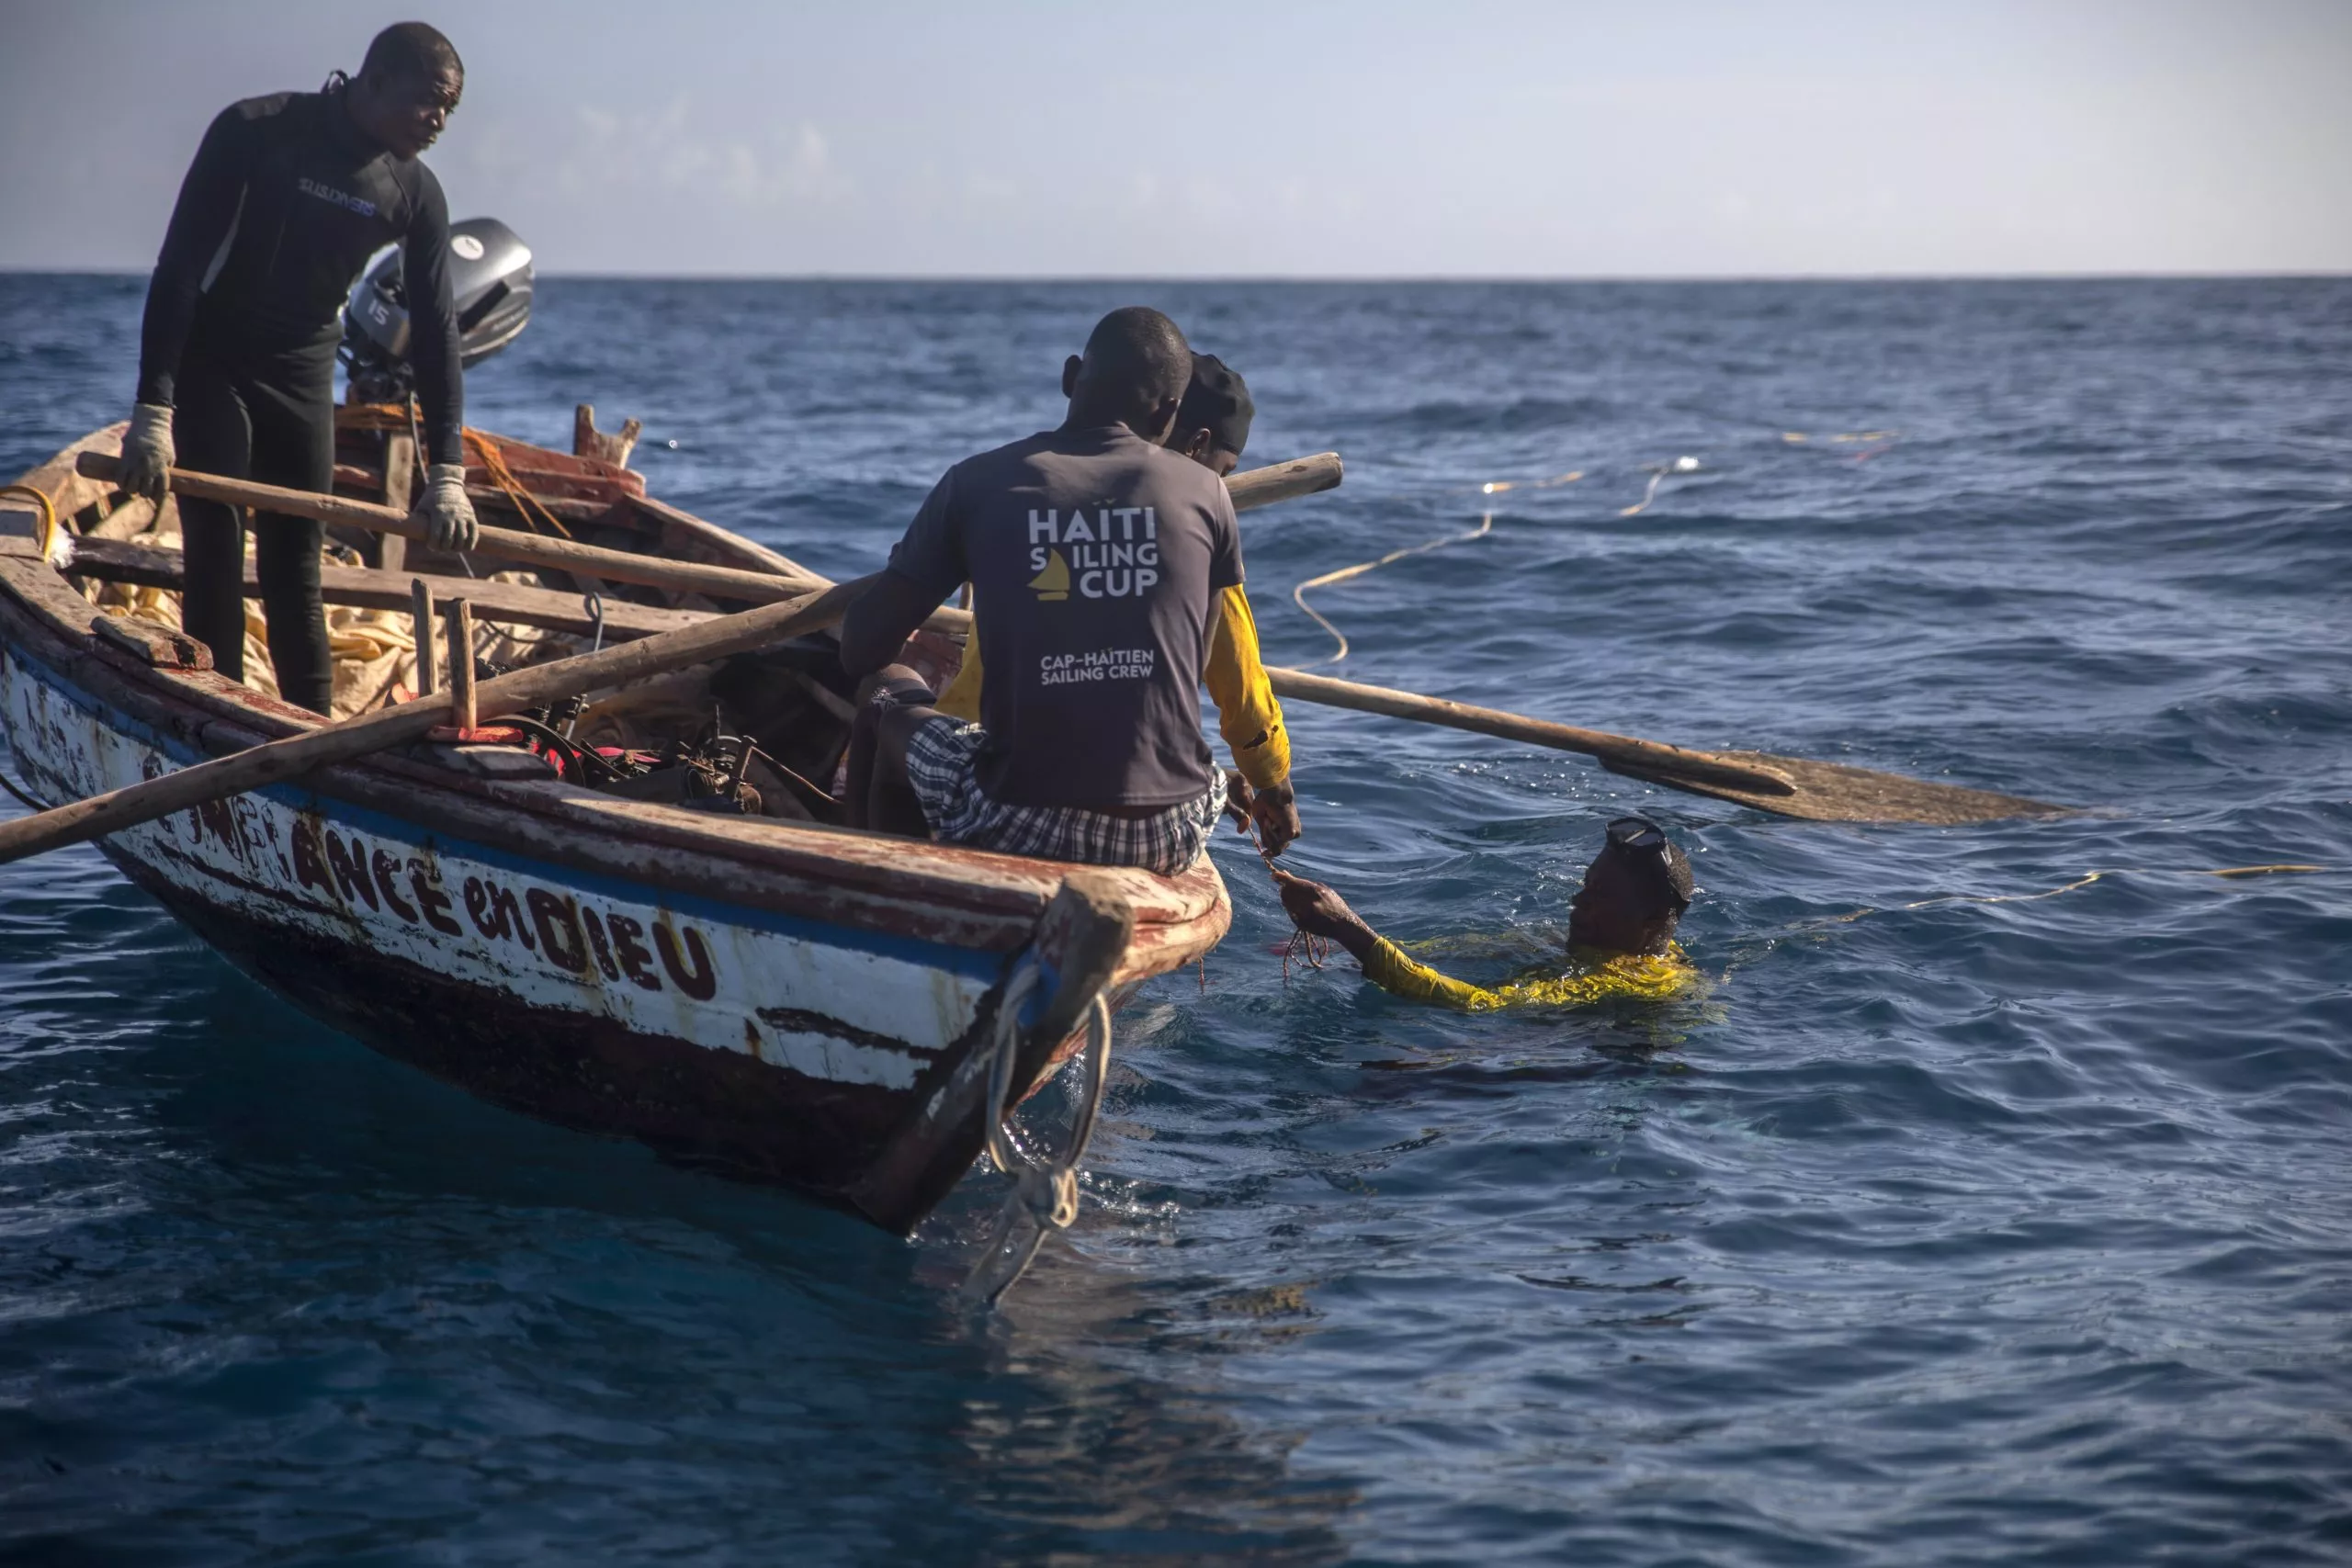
<point>1621,931</point>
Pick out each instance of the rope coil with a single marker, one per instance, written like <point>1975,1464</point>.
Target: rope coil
<point>47,539</point>
<point>1298,594</point>
<point>481,444</point>
<point>1043,1194</point>
<point>493,459</point>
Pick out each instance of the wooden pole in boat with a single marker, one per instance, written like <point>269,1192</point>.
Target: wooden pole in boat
<point>420,620</point>
<point>326,744</point>
<point>400,479</point>
<point>499,544</point>
<point>462,711</point>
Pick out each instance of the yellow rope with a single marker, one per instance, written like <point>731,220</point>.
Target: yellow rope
<point>2284,868</point>
<point>1486,526</point>
<point>1658,473</point>
<point>481,443</point>
<point>503,477</point>
<point>1298,594</point>
<point>371,416</point>
<point>48,535</point>
<point>1496,487</point>
<point>2259,870</point>
<point>1754,949</point>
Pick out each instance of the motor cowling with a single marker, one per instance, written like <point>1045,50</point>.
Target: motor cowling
<point>490,283</point>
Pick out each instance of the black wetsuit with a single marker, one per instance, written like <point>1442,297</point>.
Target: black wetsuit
<point>281,210</point>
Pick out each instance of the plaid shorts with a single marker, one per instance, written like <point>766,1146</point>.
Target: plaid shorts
<point>939,766</point>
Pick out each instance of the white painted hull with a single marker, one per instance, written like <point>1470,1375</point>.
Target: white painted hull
<point>548,991</point>
<point>726,979</point>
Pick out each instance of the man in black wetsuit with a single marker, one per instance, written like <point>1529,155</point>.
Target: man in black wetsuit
<point>286,200</point>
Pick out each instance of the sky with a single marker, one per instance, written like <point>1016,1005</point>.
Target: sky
<point>1794,138</point>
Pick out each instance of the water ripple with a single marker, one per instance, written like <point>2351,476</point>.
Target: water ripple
<point>1945,1223</point>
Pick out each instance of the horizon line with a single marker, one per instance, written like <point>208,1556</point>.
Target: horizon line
<point>598,276</point>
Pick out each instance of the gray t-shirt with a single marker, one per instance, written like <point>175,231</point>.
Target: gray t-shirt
<point>1094,557</point>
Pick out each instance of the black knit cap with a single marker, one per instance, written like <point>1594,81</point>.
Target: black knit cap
<point>1218,401</point>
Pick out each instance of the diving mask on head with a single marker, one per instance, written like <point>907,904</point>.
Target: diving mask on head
<point>1637,833</point>
<point>1644,844</point>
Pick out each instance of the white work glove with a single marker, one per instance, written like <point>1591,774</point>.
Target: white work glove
<point>147,454</point>
<point>446,510</point>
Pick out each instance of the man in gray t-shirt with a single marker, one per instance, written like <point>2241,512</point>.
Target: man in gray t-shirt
<point>1097,559</point>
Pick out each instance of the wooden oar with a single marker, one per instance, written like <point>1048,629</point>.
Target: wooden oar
<point>1790,786</point>
<point>1610,749</point>
<point>114,560</point>
<point>508,604</point>
<point>1787,787</point>
<point>278,761</point>
<point>499,544</point>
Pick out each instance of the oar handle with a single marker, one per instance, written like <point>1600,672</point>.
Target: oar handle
<point>502,544</point>
<point>1285,482</point>
<point>272,498</point>
<point>277,761</point>
<point>1651,756</point>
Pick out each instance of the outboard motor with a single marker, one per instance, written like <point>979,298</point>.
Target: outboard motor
<point>489,278</point>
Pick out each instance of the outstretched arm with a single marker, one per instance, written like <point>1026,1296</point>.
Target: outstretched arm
<point>1319,911</point>
<point>1250,719</point>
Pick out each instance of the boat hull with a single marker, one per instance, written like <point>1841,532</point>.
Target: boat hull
<point>716,1110</point>
<point>772,1047</point>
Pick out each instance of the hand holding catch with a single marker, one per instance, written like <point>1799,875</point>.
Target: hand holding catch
<point>147,453</point>
<point>1318,910</point>
<point>446,510</point>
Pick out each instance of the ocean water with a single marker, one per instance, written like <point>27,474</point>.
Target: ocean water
<point>1949,1224</point>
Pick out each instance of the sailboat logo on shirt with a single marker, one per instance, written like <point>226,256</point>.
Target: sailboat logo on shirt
<point>1113,555</point>
<point>1053,583</point>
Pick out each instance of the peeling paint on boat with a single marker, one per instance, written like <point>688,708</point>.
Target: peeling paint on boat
<point>290,858</point>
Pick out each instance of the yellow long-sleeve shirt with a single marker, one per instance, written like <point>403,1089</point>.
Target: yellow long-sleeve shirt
<point>1248,715</point>
<point>1638,976</point>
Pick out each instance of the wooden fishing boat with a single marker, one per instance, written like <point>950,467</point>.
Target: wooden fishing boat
<point>754,990</point>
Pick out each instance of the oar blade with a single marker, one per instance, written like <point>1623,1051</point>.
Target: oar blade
<point>1833,792</point>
